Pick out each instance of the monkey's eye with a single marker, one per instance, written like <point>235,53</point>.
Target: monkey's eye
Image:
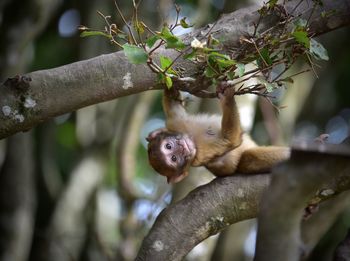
<point>173,158</point>
<point>168,146</point>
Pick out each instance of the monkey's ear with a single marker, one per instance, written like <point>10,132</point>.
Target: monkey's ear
<point>178,178</point>
<point>154,133</point>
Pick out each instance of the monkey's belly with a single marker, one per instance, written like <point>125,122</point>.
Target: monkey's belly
<point>226,164</point>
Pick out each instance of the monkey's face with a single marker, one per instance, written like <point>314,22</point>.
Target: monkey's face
<point>177,150</point>
<point>170,154</point>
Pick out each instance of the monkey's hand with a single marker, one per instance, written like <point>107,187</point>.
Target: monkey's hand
<point>172,93</point>
<point>225,91</point>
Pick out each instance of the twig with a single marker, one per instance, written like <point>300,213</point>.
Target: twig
<point>135,14</point>
<point>125,22</point>
<point>297,5</point>
<point>296,74</point>
<point>177,57</point>
<point>257,25</point>
<point>172,27</point>
<point>312,65</point>
<point>156,47</point>
<point>256,47</point>
<point>211,29</point>
<point>148,29</point>
<point>311,13</point>
<point>109,29</point>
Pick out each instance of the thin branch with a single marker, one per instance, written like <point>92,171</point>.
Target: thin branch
<point>256,47</point>
<point>296,7</point>
<point>125,22</point>
<point>172,27</point>
<point>298,73</point>
<point>312,65</point>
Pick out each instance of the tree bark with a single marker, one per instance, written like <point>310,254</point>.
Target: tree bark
<point>60,90</point>
<point>17,199</point>
<point>203,212</point>
<point>293,185</point>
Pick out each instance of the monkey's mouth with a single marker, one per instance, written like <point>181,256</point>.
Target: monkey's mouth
<point>188,147</point>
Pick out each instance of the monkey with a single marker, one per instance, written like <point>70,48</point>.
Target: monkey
<point>213,141</point>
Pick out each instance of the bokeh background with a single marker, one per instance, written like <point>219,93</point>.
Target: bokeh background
<point>79,187</point>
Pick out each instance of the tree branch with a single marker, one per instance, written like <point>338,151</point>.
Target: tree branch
<point>203,212</point>
<point>211,208</point>
<point>292,186</point>
<point>60,90</point>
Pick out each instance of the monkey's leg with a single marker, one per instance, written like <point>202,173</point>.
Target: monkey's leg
<point>262,159</point>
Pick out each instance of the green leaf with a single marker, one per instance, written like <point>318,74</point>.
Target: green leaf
<point>214,57</point>
<point>266,56</point>
<point>190,55</point>
<point>209,72</point>
<point>224,64</point>
<point>230,75</point>
<point>161,77</point>
<point>302,38</point>
<point>214,41</point>
<point>318,51</point>
<point>240,69</point>
<point>219,55</point>
<point>171,40</point>
<point>184,24</point>
<point>272,3</point>
<point>168,81</point>
<point>174,42</point>
<point>152,40</point>
<point>164,62</point>
<point>166,32</point>
<point>135,54</point>
<point>94,33</point>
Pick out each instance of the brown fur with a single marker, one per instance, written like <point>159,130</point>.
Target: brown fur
<point>221,146</point>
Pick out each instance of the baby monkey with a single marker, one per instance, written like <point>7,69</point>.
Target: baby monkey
<point>217,143</point>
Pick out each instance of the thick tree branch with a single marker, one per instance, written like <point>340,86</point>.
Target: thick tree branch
<point>60,90</point>
<point>203,212</point>
<point>211,208</point>
<point>18,210</point>
<point>292,186</point>
<point>313,229</point>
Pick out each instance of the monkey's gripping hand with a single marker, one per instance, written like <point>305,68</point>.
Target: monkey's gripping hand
<point>224,90</point>
<point>173,94</point>
<point>173,104</point>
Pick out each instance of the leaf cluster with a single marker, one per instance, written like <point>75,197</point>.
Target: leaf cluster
<point>277,47</point>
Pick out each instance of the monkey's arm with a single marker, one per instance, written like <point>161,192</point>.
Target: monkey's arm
<point>230,124</point>
<point>172,104</point>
